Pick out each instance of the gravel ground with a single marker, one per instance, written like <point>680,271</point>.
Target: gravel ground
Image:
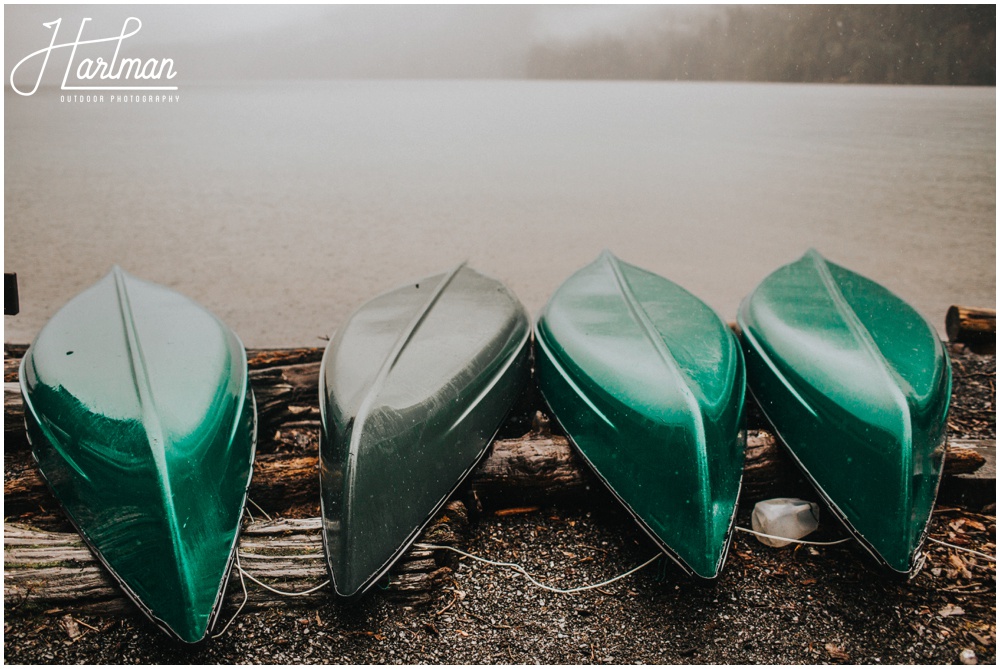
<point>973,411</point>
<point>775,606</point>
<point>810,605</point>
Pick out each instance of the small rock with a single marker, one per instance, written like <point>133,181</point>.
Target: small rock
<point>70,626</point>
<point>837,653</point>
<point>951,610</point>
<point>968,656</point>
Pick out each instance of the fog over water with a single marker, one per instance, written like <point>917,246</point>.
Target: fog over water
<point>915,44</point>
<point>284,206</point>
<point>282,199</point>
<point>312,41</point>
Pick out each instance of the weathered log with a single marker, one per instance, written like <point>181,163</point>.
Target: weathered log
<point>539,464</point>
<point>56,569</point>
<point>262,358</point>
<point>13,416</point>
<point>44,569</point>
<point>974,487</point>
<point>969,325</point>
<point>536,467</point>
<point>286,393</point>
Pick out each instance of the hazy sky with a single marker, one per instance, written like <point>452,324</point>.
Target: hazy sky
<point>311,41</point>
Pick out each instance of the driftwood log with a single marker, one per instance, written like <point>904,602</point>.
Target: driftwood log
<point>968,325</point>
<point>47,565</point>
<point>55,569</point>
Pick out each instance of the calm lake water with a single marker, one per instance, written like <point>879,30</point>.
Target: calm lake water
<point>283,207</point>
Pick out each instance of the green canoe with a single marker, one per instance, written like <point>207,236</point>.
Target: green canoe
<point>648,384</point>
<point>413,388</point>
<point>857,386</point>
<point>142,421</point>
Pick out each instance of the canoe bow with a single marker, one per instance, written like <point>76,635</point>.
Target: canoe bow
<point>857,386</point>
<point>141,418</point>
<point>647,382</point>
<point>412,389</point>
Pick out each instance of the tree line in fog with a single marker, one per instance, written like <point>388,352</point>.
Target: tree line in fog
<point>926,44</point>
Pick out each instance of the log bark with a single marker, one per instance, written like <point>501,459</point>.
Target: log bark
<point>13,416</point>
<point>968,325</point>
<point>286,394</point>
<point>535,467</point>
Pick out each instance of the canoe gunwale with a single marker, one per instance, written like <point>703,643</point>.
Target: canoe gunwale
<point>521,352</point>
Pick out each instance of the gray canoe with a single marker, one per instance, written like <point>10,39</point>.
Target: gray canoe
<point>412,390</point>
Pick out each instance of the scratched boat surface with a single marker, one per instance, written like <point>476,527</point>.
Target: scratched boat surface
<point>142,421</point>
<point>413,388</point>
<point>857,385</point>
<point>648,383</point>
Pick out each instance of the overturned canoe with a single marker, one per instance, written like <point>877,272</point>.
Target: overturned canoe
<point>857,385</point>
<point>648,384</point>
<point>142,421</point>
<point>413,388</point>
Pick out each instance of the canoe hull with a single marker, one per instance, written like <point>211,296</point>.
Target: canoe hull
<point>413,389</point>
<point>648,384</point>
<point>150,466</point>
<point>857,386</point>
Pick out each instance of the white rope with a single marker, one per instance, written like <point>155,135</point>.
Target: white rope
<point>518,568</point>
<point>258,508</point>
<point>961,548</point>
<point>794,541</point>
<point>246,596</point>
<point>283,593</point>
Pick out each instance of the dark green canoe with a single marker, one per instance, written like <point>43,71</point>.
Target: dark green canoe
<point>648,384</point>
<point>142,421</point>
<point>413,388</point>
<point>857,385</point>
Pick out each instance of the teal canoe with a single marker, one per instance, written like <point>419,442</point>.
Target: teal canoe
<point>413,388</point>
<point>142,421</point>
<point>648,384</point>
<point>857,385</point>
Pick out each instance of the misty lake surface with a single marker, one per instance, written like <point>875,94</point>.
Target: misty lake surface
<point>282,207</point>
